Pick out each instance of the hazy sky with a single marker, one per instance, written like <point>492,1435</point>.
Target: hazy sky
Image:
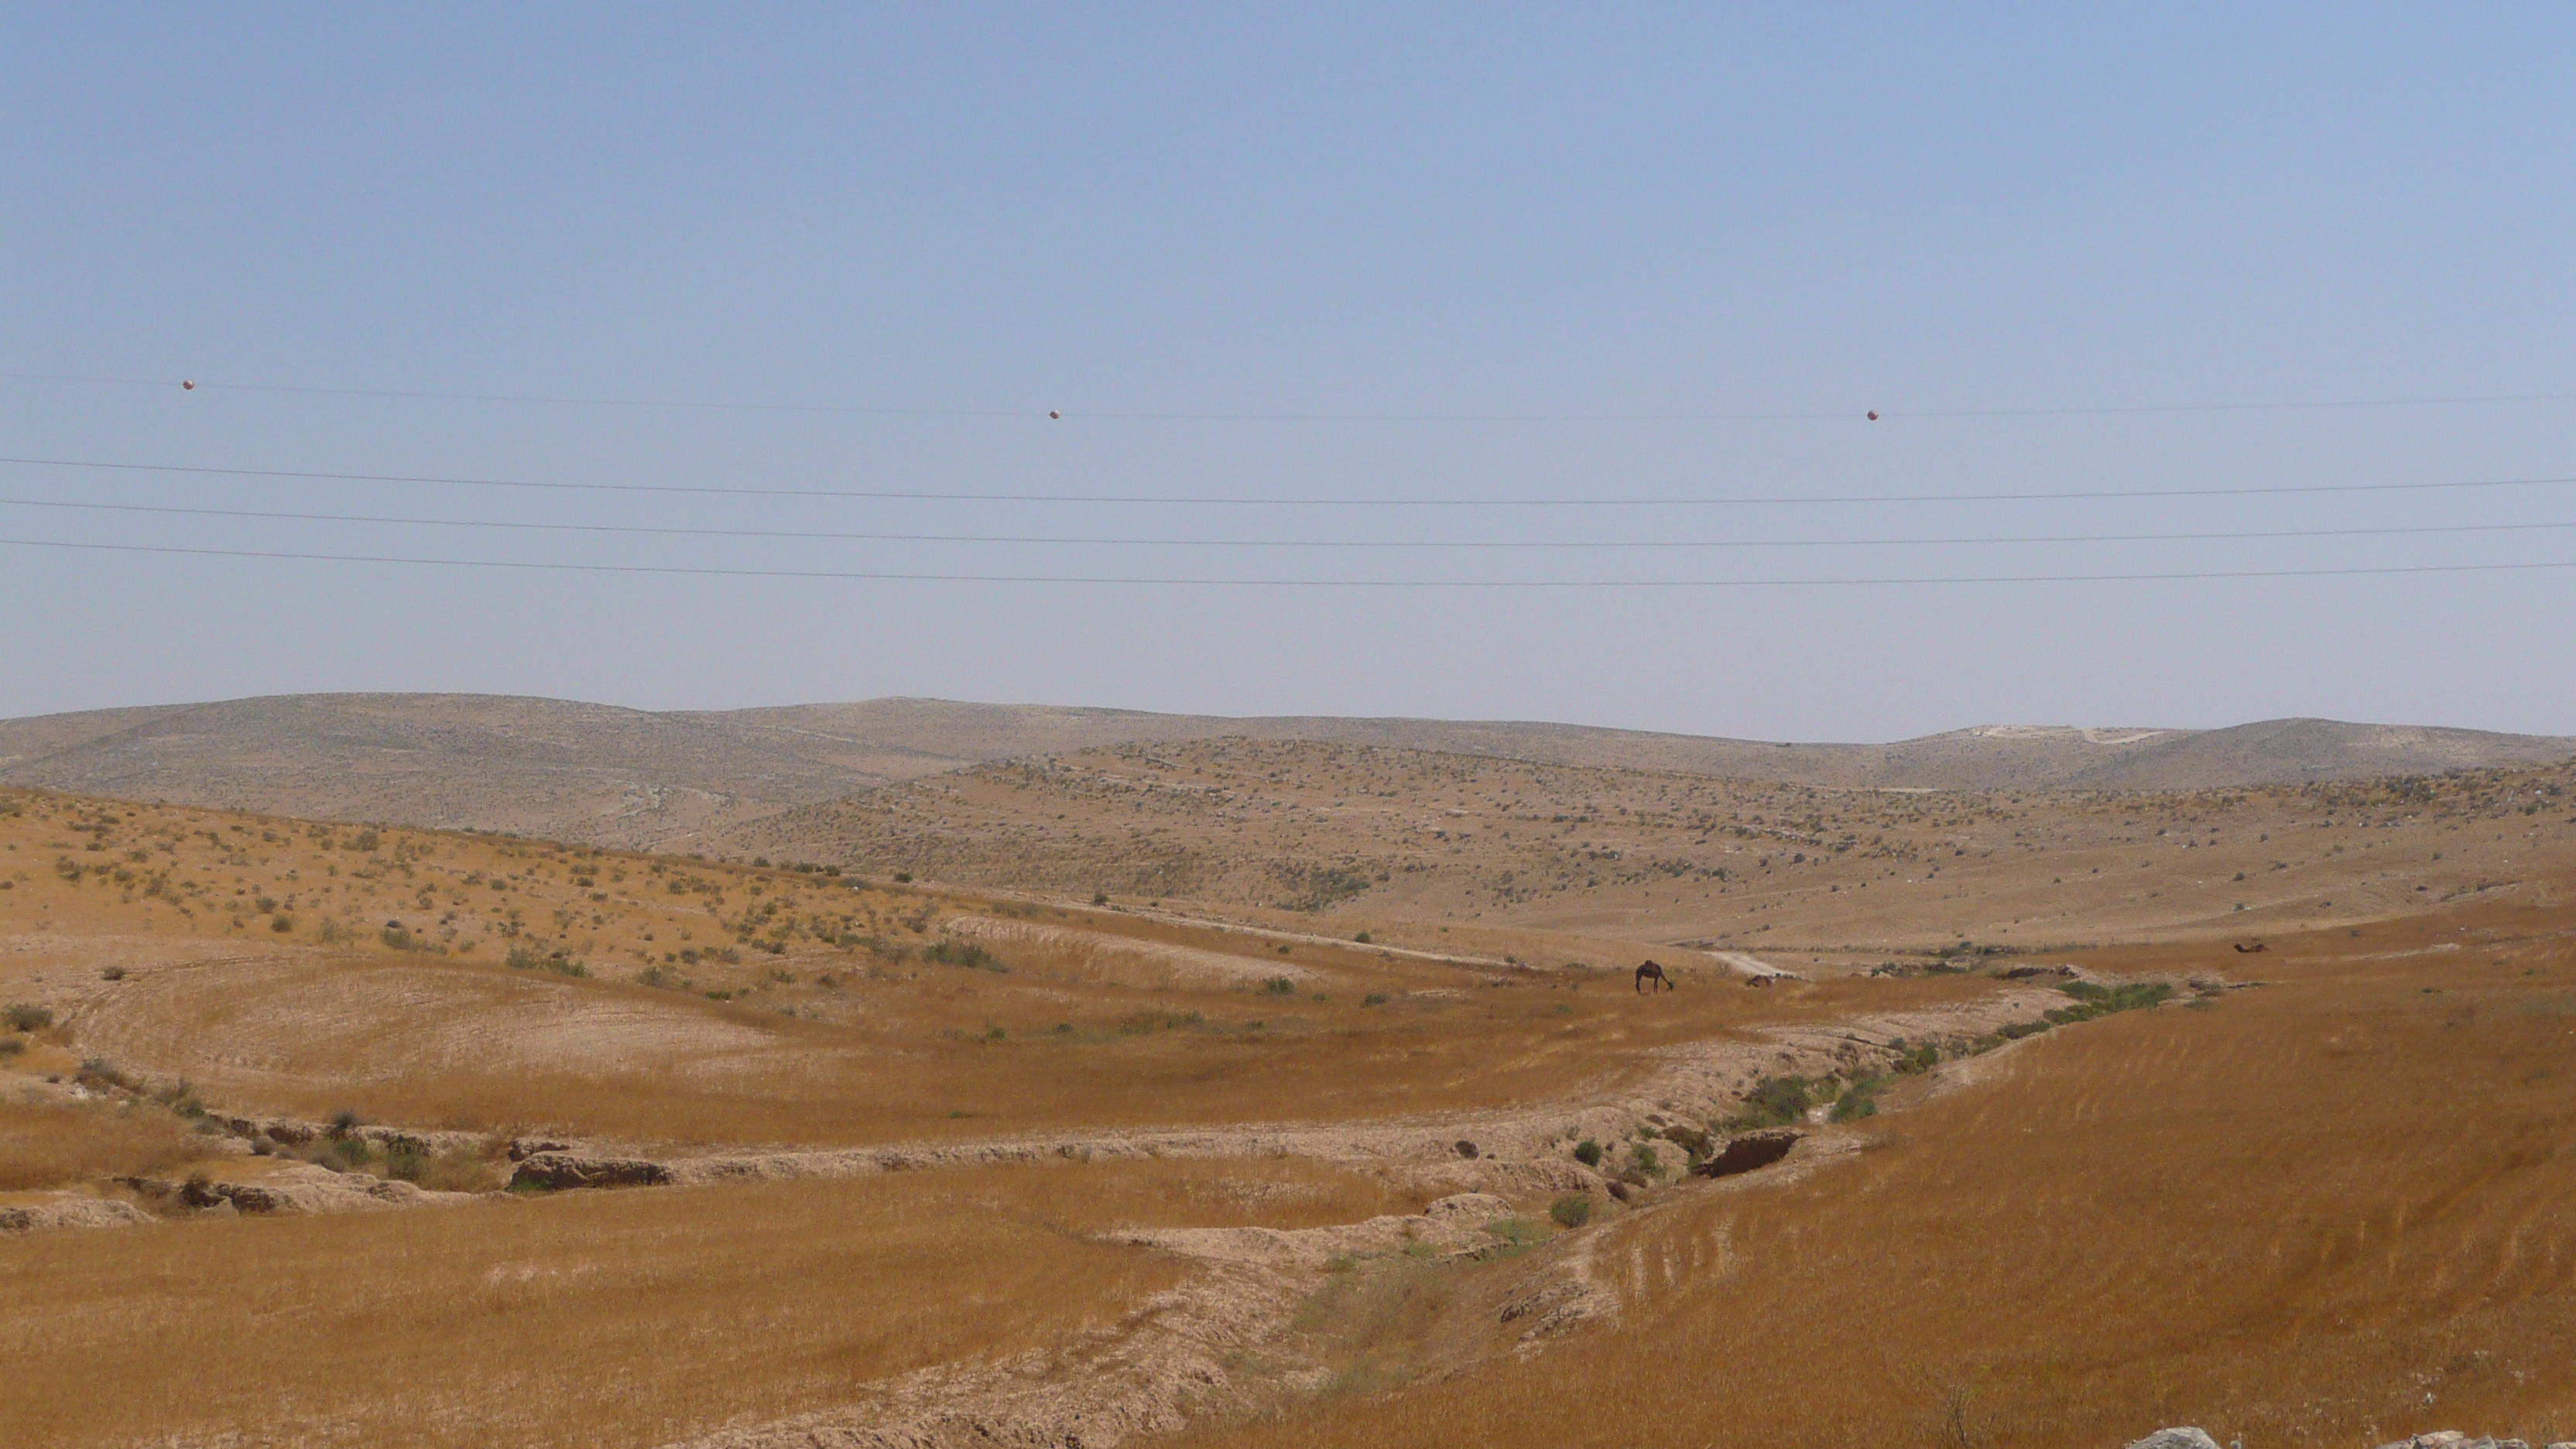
<point>1478,249</point>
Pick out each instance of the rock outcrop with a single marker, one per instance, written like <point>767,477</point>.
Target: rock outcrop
<point>2181,1438</point>
<point>559,1170</point>
<point>69,1210</point>
<point>2456,1440</point>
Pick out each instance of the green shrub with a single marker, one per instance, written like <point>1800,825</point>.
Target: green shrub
<point>1588,1152</point>
<point>10,1046</point>
<point>1374,998</point>
<point>2093,1001</point>
<point>98,1074</point>
<point>351,1152</point>
<point>1280,986</point>
<point>1859,1100</point>
<point>1774,1102</point>
<point>528,958</point>
<point>957,953</point>
<point>23,1017</point>
<point>1642,1158</point>
<point>1571,1212</point>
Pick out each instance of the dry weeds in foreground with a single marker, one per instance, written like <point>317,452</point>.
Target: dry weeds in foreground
<point>48,1144</point>
<point>609,1319</point>
<point>2335,1210</point>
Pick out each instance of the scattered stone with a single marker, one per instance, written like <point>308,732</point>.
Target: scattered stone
<point>1466,1149</point>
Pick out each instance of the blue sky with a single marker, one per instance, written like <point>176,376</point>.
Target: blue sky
<point>1529,226</point>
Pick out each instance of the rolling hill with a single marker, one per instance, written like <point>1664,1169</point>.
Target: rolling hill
<point>678,780</point>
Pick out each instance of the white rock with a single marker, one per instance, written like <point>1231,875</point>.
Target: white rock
<point>2181,1438</point>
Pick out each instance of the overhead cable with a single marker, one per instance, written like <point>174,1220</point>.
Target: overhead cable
<point>1849,414</point>
<point>1220,500</point>
<point>830,535</point>
<point>857,575</point>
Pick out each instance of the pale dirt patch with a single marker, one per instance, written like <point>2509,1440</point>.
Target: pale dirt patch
<point>246,1021</point>
<point>1122,960</point>
<point>1754,968</point>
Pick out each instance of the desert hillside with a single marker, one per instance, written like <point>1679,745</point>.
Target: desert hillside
<point>1395,839</point>
<point>637,779</point>
<point>923,1163</point>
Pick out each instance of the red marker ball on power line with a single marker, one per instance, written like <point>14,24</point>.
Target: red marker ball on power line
<point>187,385</point>
<point>1873,417</point>
<point>1053,413</point>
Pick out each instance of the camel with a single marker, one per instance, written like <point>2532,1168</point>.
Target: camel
<point>1652,972</point>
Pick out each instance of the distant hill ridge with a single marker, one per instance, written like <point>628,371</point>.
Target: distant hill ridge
<point>641,778</point>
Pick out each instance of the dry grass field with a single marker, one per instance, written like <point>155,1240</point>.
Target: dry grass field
<point>2330,1208</point>
<point>2335,1210</point>
<point>607,1319</point>
<point>720,1004</point>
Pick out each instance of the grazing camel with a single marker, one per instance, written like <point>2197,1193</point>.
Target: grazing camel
<point>2244,950</point>
<point>1652,972</point>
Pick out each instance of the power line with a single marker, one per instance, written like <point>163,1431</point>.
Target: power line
<point>1853,414</point>
<point>962,578</point>
<point>1100,541</point>
<point>1211,500</point>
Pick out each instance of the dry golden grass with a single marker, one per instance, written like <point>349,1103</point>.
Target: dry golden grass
<point>612,1319</point>
<point>444,1044</point>
<point>2288,1215</point>
<point>1089,1026</point>
<point>2334,1210</point>
<point>54,1145</point>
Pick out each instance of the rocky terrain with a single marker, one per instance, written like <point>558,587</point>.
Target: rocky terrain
<point>673,780</point>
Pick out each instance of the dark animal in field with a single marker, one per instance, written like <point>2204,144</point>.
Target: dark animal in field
<point>1652,972</point>
<point>1757,980</point>
<point>2244,950</point>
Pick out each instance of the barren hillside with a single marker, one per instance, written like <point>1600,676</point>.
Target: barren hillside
<point>1379,838</point>
<point>589,772</point>
<point>637,779</point>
